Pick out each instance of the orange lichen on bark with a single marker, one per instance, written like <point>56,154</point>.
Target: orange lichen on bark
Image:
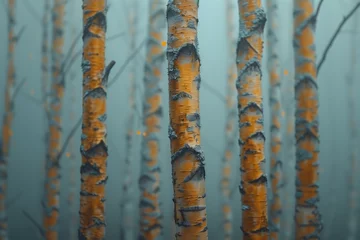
<point>308,222</point>
<point>184,130</point>
<point>252,139</point>
<point>93,141</point>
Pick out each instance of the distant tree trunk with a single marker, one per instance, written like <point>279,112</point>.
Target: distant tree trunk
<point>187,158</point>
<point>7,120</point>
<point>52,179</point>
<point>275,105</point>
<point>150,215</point>
<point>288,168</point>
<point>307,216</point>
<point>351,96</point>
<point>94,149</point>
<point>230,138</point>
<point>127,206</point>
<point>251,120</point>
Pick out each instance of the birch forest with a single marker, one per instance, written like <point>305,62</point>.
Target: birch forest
<point>179,119</point>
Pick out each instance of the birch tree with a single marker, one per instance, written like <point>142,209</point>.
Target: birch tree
<point>251,120</point>
<point>275,105</point>
<point>94,149</point>
<point>187,158</point>
<point>230,138</point>
<point>307,216</point>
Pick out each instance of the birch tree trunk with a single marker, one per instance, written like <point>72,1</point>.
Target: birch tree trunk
<point>187,158</point>
<point>127,207</point>
<point>251,120</point>
<point>275,105</point>
<point>307,216</point>
<point>7,120</point>
<point>230,126</point>
<point>51,202</point>
<point>149,182</point>
<point>94,148</point>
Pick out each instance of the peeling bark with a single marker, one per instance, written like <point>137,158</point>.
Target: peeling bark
<point>127,206</point>
<point>7,120</point>
<point>251,120</point>
<point>351,97</point>
<point>307,217</point>
<point>230,138</point>
<point>275,105</point>
<point>51,202</point>
<point>94,149</point>
<point>149,182</point>
<point>187,158</point>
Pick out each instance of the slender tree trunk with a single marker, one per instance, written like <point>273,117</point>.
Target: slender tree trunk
<point>307,216</point>
<point>94,149</point>
<point>150,215</point>
<point>7,120</point>
<point>275,105</point>
<point>127,207</point>
<point>52,179</point>
<point>230,138</point>
<point>187,158</point>
<point>353,198</point>
<point>251,120</point>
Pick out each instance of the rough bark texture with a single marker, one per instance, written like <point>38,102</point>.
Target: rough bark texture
<point>149,182</point>
<point>351,97</point>
<point>307,216</point>
<point>187,158</point>
<point>230,137</point>
<point>275,105</point>
<point>7,120</point>
<point>51,200</point>
<point>251,120</point>
<point>127,206</point>
<point>94,149</point>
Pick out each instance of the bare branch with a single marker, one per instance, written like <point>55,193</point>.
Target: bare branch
<point>32,98</point>
<point>214,91</point>
<point>32,10</point>
<point>68,138</point>
<point>122,68</point>
<point>35,223</point>
<point>107,72</point>
<point>71,50</point>
<point>12,201</point>
<point>18,36</point>
<point>17,89</point>
<point>116,36</point>
<point>336,33</point>
<point>318,9</point>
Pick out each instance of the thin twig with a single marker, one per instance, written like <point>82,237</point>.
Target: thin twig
<point>32,98</point>
<point>71,50</point>
<point>336,33</point>
<point>18,36</point>
<point>36,224</point>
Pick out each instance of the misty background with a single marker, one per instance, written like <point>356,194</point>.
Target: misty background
<point>27,149</point>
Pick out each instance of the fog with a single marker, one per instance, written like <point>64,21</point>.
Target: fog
<point>27,152</point>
